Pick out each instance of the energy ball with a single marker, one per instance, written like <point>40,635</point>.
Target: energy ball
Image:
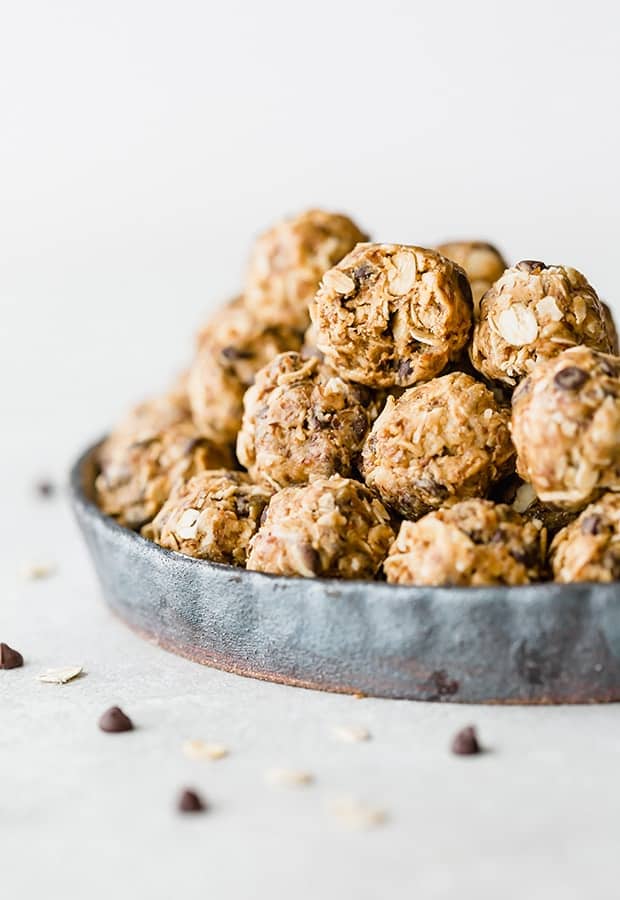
<point>288,261</point>
<point>232,347</point>
<point>211,516</point>
<point>566,427</point>
<point>302,420</point>
<point>473,543</point>
<point>389,315</point>
<point>483,265</point>
<point>440,442</point>
<point>138,470</point>
<point>331,527</point>
<point>521,496</point>
<point>532,313</point>
<point>589,548</point>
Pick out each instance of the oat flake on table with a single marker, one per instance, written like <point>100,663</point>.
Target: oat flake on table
<point>289,777</point>
<point>201,750</point>
<point>60,676</point>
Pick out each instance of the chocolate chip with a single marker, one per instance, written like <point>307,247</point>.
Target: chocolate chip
<point>531,266</point>
<point>114,721</point>
<point>403,367</point>
<point>570,379</point>
<point>232,353</point>
<point>590,525</point>
<point>9,658</point>
<point>428,484</point>
<point>45,489</point>
<point>465,742</point>
<point>190,802</point>
<point>362,273</point>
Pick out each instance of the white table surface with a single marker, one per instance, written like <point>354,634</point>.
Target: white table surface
<point>143,145</point>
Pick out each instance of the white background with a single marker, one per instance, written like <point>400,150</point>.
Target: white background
<point>142,146</point>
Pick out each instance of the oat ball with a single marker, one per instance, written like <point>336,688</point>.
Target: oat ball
<point>566,427</point>
<point>483,265</point>
<point>288,261</point>
<point>532,313</point>
<point>389,315</point>
<point>139,469</point>
<point>589,548</point>
<point>332,527</point>
<point>521,496</point>
<point>473,543</point>
<point>302,420</point>
<point>231,348</point>
<point>440,442</point>
<point>211,516</point>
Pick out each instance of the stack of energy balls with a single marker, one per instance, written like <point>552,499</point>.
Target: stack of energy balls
<point>362,410</point>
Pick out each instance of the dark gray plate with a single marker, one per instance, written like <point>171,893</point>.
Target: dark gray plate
<point>545,643</point>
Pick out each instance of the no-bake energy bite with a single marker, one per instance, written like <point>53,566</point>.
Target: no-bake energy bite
<point>302,420</point>
<point>289,260</point>
<point>589,548</point>
<point>138,471</point>
<point>566,427</point>
<point>211,516</point>
<point>331,527</point>
<point>441,442</point>
<point>232,347</point>
<point>532,313</point>
<point>473,543</point>
<point>483,265</point>
<point>390,315</point>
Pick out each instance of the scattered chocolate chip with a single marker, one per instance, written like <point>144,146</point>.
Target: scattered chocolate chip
<point>531,266</point>
<point>9,658</point>
<point>45,489</point>
<point>465,742</point>
<point>114,721</point>
<point>590,525</point>
<point>190,802</point>
<point>570,379</point>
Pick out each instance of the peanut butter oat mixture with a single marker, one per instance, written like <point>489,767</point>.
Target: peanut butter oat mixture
<point>474,543</point>
<point>483,265</point>
<point>138,470</point>
<point>288,262</point>
<point>589,548</point>
<point>232,347</point>
<point>390,315</point>
<point>211,516</point>
<point>440,442</point>
<point>566,427</point>
<point>331,527</point>
<point>302,420</point>
<point>532,313</point>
